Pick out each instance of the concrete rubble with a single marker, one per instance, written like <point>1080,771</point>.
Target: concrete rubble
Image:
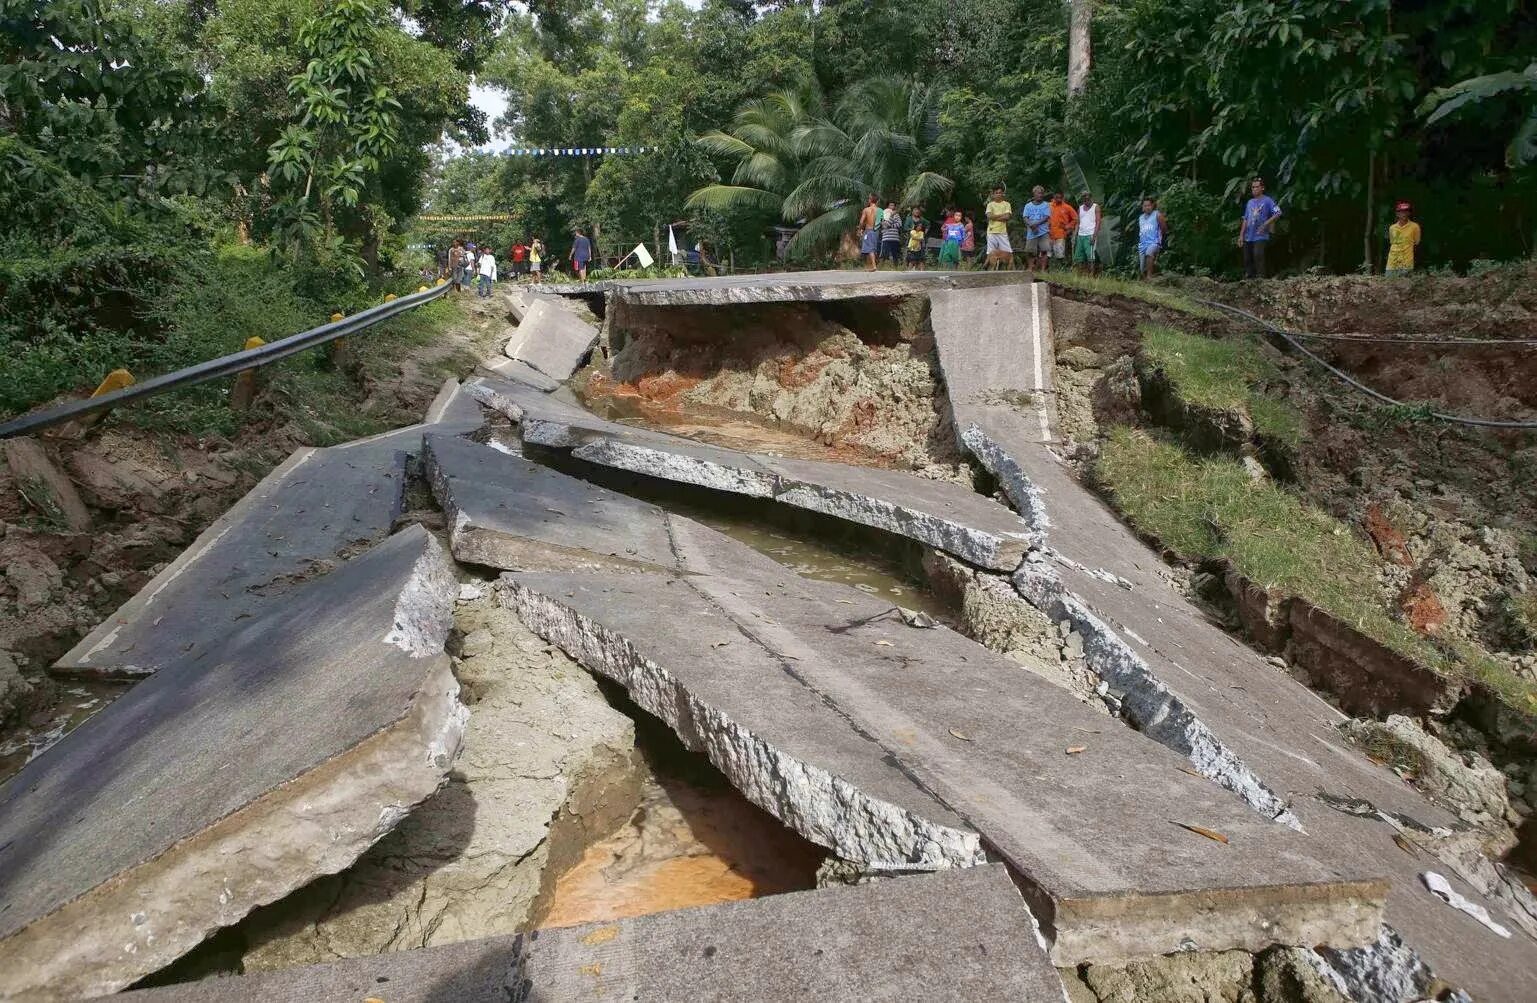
<point>937,514</point>
<point>1109,870</point>
<point>963,930</point>
<point>551,339</point>
<point>1184,680</point>
<point>201,794</point>
<point>308,515</point>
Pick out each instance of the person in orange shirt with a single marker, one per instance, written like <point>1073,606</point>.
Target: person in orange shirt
<point>1064,220</point>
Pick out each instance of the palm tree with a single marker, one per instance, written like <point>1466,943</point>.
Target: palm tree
<point>820,168</point>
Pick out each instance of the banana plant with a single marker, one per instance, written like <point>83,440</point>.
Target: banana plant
<point>1445,101</point>
<point>1080,179</point>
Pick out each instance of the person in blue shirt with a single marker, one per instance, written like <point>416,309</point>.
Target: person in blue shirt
<point>1037,217</point>
<point>581,253</point>
<point>1152,230</point>
<point>1259,216</point>
<point>954,234</point>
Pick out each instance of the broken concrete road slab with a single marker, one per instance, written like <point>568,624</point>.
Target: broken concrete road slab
<point>510,513</point>
<point>522,372</point>
<point>1097,835</point>
<point>313,511</point>
<point>1178,676</point>
<point>551,339</point>
<point>231,777</point>
<point>788,287</point>
<point>747,710</point>
<point>938,514</point>
<point>963,934</point>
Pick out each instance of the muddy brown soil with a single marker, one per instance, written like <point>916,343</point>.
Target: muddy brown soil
<point>149,495</point>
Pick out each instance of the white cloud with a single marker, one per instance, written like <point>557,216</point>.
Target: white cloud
<point>493,102</point>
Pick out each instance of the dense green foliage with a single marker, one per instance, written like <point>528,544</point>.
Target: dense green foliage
<point>1335,104</point>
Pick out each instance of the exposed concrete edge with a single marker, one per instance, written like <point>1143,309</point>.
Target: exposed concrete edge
<point>1149,704</point>
<point>667,465</point>
<point>73,661</point>
<point>979,547</point>
<point>1017,486</point>
<point>516,369</point>
<point>316,824</point>
<point>820,806</point>
<point>1108,931</point>
<point>445,398</point>
<point>1385,971</point>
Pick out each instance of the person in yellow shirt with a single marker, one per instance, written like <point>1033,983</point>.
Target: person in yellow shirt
<point>998,212</point>
<point>1403,238</point>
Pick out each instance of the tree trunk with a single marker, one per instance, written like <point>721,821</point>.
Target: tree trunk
<point>1078,54</point>
<point>1371,211</point>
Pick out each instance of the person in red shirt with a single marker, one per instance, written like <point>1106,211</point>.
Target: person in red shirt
<point>1064,220</point>
<point>519,259</point>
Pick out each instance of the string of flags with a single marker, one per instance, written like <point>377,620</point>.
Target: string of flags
<point>578,151</point>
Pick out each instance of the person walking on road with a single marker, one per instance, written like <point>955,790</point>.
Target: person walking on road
<point>1152,231</point>
<point>870,232</point>
<point>487,269</point>
<point>1037,216</point>
<point>1084,257</point>
<point>581,253</point>
<point>1403,238</point>
<point>536,260</point>
<point>1064,219</point>
<point>998,213</point>
<point>955,233</point>
<point>1254,228</point>
<point>891,235</point>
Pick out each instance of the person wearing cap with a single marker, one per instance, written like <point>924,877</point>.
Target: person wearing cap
<point>1254,226</point>
<point>1084,258</point>
<point>1403,238</point>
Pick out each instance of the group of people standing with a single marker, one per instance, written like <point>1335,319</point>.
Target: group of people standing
<point>463,264</point>
<point>1057,231</point>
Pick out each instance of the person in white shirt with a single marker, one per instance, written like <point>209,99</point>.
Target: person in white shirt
<point>487,269</point>
<point>1084,258</point>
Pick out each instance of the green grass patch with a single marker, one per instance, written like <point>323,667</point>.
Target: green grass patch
<point>1211,508</point>
<point>1147,292</point>
<point>1223,374</point>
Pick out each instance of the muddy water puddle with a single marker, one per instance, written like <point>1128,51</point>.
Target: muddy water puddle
<point>77,702</point>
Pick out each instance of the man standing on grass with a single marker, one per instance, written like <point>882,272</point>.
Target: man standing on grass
<point>1403,238</point>
<point>891,235</point>
<point>581,253</point>
<point>998,213</point>
<point>955,234</point>
<point>1084,257</point>
<point>1152,231</point>
<point>1037,217</point>
<point>1064,219</point>
<point>1259,216</point>
<point>870,232</point>
<point>487,268</point>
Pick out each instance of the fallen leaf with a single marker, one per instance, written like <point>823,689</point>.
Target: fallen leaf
<point>1200,831</point>
<point>1073,750</point>
<point>1193,773</point>
<point>555,510</point>
<point>720,644</point>
<point>846,602</point>
<point>962,736</point>
<point>1404,844</point>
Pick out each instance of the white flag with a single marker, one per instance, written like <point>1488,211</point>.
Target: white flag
<point>672,242</point>
<point>643,255</point>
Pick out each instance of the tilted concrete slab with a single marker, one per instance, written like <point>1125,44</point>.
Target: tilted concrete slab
<point>960,934</point>
<point>1096,834</point>
<point>786,287</point>
<point>310,513</point>
<point>938,514</point>
<point>510,513</point>
<point>512,369</point>
<point>551,339</point>
<point>231,777</point>
<point>1242,722</point>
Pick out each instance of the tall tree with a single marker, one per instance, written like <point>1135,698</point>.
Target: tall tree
<point>1078,47</point>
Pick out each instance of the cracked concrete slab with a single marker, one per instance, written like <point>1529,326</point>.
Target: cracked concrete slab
<point>785,287</point>
<point>965,931</point>
<point>510,513</point>
<point>302,520</point>
<point>522,372</point>
<point>1180,677</point>
<point>231,777</point>
<point>939,514</point>
<point>551,339</point>
<point>1096,833</point>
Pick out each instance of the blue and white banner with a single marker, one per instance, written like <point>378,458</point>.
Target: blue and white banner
<point>583,151</point>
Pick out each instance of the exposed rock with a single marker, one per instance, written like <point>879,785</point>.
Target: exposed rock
<point>1079,357</point>
<point>14,689</point>
<point>548,768</point>
<point>1465,782</point>
<point>43,485</point>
